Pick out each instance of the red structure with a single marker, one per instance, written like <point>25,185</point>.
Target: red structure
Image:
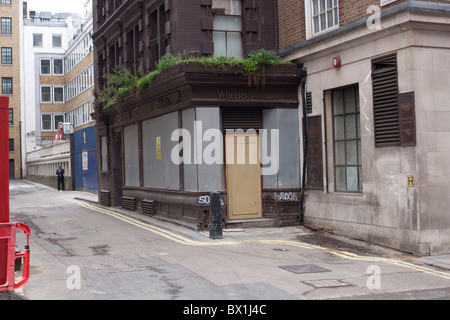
<point>8,253</point>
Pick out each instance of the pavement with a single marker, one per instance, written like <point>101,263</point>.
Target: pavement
<point>260,262</point>
<point>441,261</point>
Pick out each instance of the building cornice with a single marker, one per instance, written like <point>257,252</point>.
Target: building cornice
<point>411,7</point>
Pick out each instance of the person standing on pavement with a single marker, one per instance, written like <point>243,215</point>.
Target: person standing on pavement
<point>60,174</point>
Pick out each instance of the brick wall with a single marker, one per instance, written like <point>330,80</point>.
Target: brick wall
<point>291,22</point>
<point>13,71</point>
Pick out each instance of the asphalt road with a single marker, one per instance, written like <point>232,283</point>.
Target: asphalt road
<point>81,251</point>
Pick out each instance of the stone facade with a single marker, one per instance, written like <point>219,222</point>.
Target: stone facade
<point>402,202</point>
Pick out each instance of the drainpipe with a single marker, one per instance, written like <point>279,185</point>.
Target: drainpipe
<point>302,74</point>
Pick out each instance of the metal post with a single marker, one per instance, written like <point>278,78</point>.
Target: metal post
<point>4,183</point>
<point>215,225</point>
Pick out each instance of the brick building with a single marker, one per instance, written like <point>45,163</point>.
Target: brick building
<point>10,36</point>
<point>136,135</point>
<point>377,100</point>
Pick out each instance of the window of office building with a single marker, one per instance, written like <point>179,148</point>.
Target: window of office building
<point>58,94</point>
<point>46,123</point>
<point>57,118</point>
<point>57,41</point>
<point>45,66</point>
<point>58,68</point>
<point>37,40</point>
<point>5,2</point>
<point>46,94</point>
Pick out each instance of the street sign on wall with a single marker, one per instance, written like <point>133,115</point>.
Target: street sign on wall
<point>84,157</point>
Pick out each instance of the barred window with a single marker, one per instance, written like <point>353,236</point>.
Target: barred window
<point>6,55</point>
<point>7,85</point>
<point>6,25</point>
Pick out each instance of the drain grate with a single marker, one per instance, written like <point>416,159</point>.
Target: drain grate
<point>327,283</point>
<point>304,268</point>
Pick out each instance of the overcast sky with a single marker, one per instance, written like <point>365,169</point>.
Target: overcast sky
<point>56,6</point>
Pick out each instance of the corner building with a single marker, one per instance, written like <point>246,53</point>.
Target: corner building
<point>136,136</point>
<point>378,109</point>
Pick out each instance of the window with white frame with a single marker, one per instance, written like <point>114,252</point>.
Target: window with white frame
<point>58,68</point>
<point>46,122</point>
<point>57,118</point>
<point>46,67</point>
<point>81,114</point>
<point>227,33</point>
<point>46,94</point>
<point>56,41</point>
<point>58,94</point>
<point>37,40</point>
<point>321,16</point>
<point>80,83</point>
<point>81,50</point>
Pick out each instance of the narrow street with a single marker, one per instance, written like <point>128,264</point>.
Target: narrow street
<point>81,251</point>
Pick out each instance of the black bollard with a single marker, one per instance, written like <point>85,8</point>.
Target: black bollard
<point>215,219</point>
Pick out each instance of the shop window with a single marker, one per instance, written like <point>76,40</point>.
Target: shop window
<point>104,153</point>
<point>131,151</point>
<point>347,140</point>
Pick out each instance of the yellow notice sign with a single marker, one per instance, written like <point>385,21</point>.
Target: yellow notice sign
<point>158,148</point>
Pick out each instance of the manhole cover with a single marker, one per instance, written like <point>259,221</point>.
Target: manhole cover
<point>305,268</point>
<point>328,283</point>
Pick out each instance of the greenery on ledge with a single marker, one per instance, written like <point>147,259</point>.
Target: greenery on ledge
<point>123,82</point>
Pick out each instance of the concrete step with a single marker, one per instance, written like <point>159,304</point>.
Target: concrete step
<point>250,223</point>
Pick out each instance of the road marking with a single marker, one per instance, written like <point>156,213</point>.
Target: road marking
<point>186,241</point>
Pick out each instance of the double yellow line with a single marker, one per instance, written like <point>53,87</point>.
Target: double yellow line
<point>189,242</point>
